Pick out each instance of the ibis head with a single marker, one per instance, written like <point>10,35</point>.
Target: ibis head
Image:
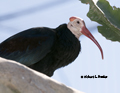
<point>78,28</point>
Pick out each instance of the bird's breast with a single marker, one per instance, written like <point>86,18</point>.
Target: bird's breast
<point>66,52</point>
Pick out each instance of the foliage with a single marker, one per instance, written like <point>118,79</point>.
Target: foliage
<point>106,15</point>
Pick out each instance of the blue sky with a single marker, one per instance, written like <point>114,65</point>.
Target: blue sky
<point>52,13</point>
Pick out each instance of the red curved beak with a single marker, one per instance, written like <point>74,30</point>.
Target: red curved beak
<point>87,33</point>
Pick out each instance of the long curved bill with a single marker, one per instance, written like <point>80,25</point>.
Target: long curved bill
<point>87,33</point>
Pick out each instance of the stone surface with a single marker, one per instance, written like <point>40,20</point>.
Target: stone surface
<point>17,78</point>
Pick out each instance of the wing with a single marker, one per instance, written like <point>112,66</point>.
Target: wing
<point>28,47</point>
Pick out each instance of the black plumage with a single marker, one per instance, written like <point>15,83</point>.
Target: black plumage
<point>42,49</point>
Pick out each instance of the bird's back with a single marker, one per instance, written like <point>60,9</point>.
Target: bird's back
<point>29,46</point>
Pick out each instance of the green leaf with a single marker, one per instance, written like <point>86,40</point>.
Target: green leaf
<point>107,16</point>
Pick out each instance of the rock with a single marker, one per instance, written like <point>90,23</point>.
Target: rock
<point>17,78</point>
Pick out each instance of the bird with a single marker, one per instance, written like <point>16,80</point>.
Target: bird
<point>46,49</point>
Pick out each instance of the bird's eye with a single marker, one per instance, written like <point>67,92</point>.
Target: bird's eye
<point>78,22</point>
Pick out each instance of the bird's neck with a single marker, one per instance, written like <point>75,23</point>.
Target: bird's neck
<point>63,30</point>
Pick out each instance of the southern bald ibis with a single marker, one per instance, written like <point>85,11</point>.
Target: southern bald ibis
<point>45,49</point>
